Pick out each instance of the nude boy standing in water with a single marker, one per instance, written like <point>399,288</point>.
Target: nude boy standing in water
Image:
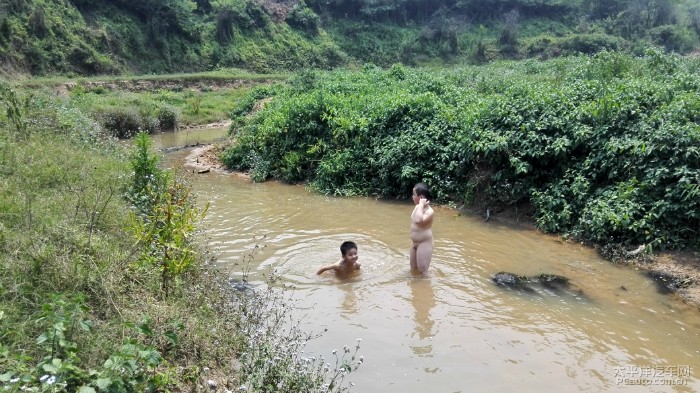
<point>421,232</point>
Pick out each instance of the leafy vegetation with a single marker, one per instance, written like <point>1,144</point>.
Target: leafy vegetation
<point>102,287</point>
<point>126,107</point>
<point>86,308</point>
<point>604,147</point>
<point>101,37</point>
<point>419,32</point>
<point>97,37</point>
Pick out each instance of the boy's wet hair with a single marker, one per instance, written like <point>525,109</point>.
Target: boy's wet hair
<point>422,190</point>
<point>347,246</point>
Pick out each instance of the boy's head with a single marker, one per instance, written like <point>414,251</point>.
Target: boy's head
<point>421,190</point>
<point>347,246</point>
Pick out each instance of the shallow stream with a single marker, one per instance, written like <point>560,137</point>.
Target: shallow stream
<point>454,330</point>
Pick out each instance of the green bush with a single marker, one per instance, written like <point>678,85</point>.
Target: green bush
<point>303,18</point>
<point>122,122</point>
<point>602,146</point>
<point>674,38</point>
<point>543,47</point>
<point>591,43</point>
<point>168,118</point>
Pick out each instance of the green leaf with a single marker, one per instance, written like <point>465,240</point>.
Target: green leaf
<point>86,325</point>
<point>171,336</point>
<point>41,339</point>
<point>6,377</point>
<point>103,383</point>
<point>145,329</point>
<point>86,389</point>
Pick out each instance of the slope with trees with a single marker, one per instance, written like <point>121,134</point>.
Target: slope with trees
<point>87,37</point>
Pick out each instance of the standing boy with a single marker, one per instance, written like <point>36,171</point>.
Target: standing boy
<point>421,232</point>
<point>347,264</point>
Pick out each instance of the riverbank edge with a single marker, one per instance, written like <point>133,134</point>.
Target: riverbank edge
<point>677,272</point>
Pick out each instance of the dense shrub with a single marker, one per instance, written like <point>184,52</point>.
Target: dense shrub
<point>604,147</point>
<point>674,38</point>
<point>121,122</point>
<point>168,118</point>
<point>591,43</point>
<point>303,18</point>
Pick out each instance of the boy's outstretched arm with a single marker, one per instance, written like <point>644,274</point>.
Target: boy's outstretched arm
<point>325,268</point>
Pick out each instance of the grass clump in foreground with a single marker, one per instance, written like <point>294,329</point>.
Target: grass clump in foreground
<point>84,307</point>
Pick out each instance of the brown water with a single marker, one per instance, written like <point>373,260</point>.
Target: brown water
<point>188,137</point>
<point>454,330</point>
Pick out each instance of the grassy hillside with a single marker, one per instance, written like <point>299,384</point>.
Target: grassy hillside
<point>477,31</point>
<point>93,37</point>
<point>89,37</point>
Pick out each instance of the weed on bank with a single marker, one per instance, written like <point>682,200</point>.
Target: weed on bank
<point>103,287</point>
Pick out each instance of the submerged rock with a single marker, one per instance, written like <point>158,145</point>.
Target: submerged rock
<point>511,281</point>
<point>553,281</point>
<point>542,284</point>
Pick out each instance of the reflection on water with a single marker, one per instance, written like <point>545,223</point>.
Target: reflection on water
<point>423,300</point>
<point>454,330</point>
<point>349,306</point>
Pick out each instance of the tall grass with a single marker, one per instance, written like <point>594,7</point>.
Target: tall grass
<point>83,303</point>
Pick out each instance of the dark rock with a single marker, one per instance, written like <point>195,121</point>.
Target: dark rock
<point>511,281</point>
<point>553,281</point>
<point>543,284</point>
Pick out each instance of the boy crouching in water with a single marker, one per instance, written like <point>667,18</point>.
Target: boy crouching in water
<point>347,264</point>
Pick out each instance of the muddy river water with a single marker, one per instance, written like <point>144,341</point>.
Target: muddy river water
<point>453,330</point>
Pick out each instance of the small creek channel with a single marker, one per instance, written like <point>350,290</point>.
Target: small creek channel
<point>454,330</point>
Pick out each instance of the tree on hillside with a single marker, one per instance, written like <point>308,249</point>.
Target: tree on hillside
<point>381,10</point>
<point>162,17</point>
<point>509,34</point>
<point>492,9</point>
<point>599,9</point>
<point>694,16</point>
